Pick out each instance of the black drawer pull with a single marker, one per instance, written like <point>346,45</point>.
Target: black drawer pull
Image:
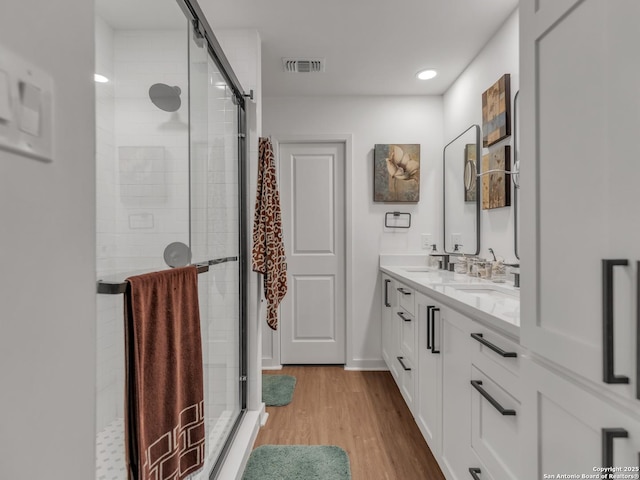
<point>474,473</point>
<point>403,365</point>
<point>433,329</point>
<point>495,348</point>
<point>386,293</point>
<point>476,384</point>
<point>607,322</point>
<point>403,291</point>
<point>429,307</point>
<point>401,315</point>
<point>608,434</point>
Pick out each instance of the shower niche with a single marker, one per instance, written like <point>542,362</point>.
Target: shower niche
<point>169,157</point>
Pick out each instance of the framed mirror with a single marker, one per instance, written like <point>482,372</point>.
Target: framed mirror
<point>461,193</point>
<point>516,175</point>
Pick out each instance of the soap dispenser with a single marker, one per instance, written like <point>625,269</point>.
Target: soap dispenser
<point>432,259</point>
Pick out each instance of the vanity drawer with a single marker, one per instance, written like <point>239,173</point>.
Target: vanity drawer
<point>407,380</point>
<point>406,297</point>
<point>494,348</point>
<point>495,425</point>
<point>408,327</point>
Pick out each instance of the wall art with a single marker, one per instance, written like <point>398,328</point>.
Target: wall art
<point>496,111</point>
<point>496,187</point>
<point>396,173</point>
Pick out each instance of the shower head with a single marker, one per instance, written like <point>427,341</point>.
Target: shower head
<point>165,97</point>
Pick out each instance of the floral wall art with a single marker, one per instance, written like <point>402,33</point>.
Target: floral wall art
<point>396,173</point>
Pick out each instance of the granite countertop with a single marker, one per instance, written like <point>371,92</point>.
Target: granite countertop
<point>494,304</point>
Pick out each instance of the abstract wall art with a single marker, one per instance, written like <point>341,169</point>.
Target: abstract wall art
<point>496,187</point>
<point>496,111</point>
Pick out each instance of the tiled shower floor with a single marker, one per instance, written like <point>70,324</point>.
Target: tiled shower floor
<point>110,455</point>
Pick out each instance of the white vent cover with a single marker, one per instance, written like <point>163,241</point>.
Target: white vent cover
<point>303,65</point>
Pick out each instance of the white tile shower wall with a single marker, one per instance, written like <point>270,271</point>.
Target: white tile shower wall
<point>152,146</point>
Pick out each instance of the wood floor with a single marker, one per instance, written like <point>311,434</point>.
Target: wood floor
<point>362,412</point>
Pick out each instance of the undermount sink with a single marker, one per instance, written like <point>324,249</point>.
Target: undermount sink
<point>419,269</point>
<point>494,292</point>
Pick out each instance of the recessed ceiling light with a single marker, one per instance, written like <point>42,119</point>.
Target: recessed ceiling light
<point>426,74</point>
<point>100,78</point>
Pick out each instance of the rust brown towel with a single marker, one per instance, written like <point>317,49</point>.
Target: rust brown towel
<point>164,395</point>
<point>268,248</point>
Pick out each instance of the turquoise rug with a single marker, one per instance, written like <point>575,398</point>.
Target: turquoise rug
<point>298,462</point>
<point>277,390</point>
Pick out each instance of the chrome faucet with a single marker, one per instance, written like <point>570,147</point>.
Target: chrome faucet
<point>494,255</point>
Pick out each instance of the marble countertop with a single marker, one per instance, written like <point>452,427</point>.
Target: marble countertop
<point>494,304</point>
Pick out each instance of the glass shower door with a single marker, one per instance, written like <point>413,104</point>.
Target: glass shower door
<point>215,238</point>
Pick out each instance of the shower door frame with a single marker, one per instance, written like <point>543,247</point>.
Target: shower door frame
<point>194,14</point>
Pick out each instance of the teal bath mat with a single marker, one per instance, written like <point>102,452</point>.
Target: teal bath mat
<point>277,390</point>
<point>298,462</point>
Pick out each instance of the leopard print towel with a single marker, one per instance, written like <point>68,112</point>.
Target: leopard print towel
<point>268,248</point>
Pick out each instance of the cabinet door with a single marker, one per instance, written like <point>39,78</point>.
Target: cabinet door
<point>429,398</point>
<point>457,457</point>
<point>390,325</point>
<point>566,426</point>
<point>580,118</point>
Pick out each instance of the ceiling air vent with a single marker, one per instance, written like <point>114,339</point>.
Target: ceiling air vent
<point>303,65</point>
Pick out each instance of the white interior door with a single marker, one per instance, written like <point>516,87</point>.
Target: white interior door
<point>312,314</point>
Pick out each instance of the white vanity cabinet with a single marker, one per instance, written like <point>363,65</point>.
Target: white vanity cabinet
<point>407,339</point>
<point>428,408</point>
<point>398,335</point>
<point>390,325</point>
<point>460,376</point>
<point>580,117</point>
<point>496,411</point>
<point>456,456</point>
<point>572,429</point>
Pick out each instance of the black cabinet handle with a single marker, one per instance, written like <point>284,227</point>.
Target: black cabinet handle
<point>429,307</point>
<point>402,363</point>
<point>474,473</point>
<point>608,434</point>
<point>476,384</point>
<point>495,348</point>
<point>403,291</point>
<point>433,329</point>
<point>386,293</point>
<point>401,315</point>
<point>607,322</point>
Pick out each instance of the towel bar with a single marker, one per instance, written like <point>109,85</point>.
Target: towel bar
<point>115,288</point>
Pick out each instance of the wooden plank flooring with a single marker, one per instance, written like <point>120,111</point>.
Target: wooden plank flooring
<point>362,412</point>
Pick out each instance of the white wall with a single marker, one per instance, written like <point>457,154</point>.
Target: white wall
<point>370,120</point>
<point>47,274</point>
<point>463,107</point>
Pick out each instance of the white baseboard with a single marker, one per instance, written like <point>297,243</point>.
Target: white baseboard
<point>271,367</point>
<point>373,365</point>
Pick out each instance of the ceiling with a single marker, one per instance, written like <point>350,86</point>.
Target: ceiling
<point>371,47</point>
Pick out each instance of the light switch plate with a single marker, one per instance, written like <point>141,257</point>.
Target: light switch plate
<point>26,128</point>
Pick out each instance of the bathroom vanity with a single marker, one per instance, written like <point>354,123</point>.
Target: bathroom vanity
<point>488,407</point>
<point>451,344</point>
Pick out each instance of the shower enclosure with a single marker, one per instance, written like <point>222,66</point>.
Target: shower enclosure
<point>170,151</point>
